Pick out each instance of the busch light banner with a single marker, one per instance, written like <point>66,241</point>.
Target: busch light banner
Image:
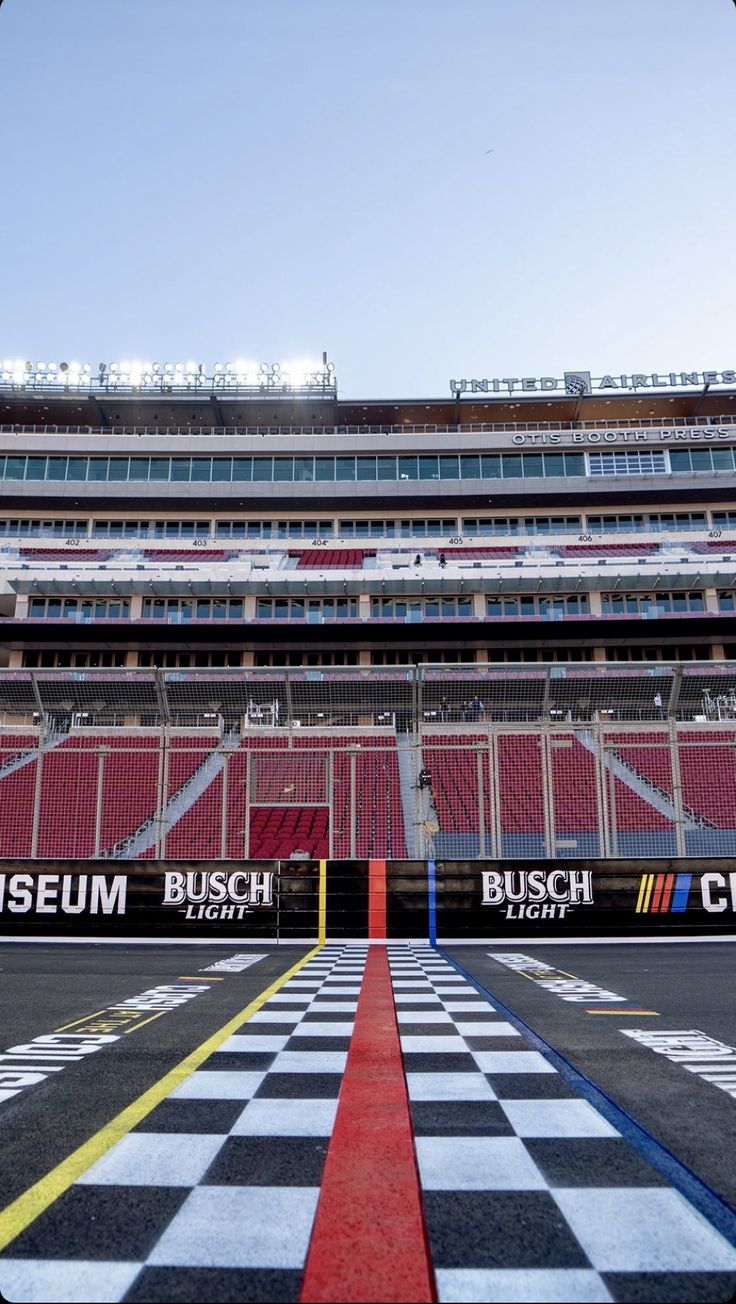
<point>549,898</point>
<point>172,898</point>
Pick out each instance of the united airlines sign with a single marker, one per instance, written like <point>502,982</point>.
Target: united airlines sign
<point>577,383</point>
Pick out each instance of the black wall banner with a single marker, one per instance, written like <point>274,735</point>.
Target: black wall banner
<point>281,900</point>
<point>600,898</point>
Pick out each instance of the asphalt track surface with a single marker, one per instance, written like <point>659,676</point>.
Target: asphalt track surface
<point>369,1226</point>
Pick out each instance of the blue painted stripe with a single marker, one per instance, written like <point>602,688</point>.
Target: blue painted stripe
<point>708,1202</point>
<point>432,896</point>
<point>681,893</point>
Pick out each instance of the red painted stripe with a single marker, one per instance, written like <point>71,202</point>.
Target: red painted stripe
<point>376,898</point>
<point>657,897</point>
<point>669,883</point>
<point>369,1243</point>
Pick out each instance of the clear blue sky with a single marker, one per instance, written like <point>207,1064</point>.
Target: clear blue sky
<point>214,179</point>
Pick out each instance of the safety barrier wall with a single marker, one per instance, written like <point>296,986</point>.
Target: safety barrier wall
<point>282,901</point>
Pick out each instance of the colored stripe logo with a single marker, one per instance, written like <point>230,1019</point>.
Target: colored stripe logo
<point>663,893</point>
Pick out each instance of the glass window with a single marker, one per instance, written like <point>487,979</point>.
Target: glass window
<point>201,468</point>
<point>281,608</point>
<point>554,464</point>
<point>118,468</point>
<point>465,607</point>
<point>511,466</point>
<point>428,468</point>
<point>297,609</point>
<point>324,468</point>
<point>56,468</point>
<point>408,468</point>
<point>722,459</point>
<point>138,468</point>
<point>701,459</point>
<point>37,607</point>
<point>53,607</point>
<point>386,467</point>
<point>76,468</point>
<point>574,464</point>
<point>160,467</point>
<point>470,466</point>
<point>235,611</point>
<point>490,466</point>
<point>532,464</point>
<point>222,469</point>
<point>36,468</point>
<point>283,469</point>
<point>203,608</point>
<point>98,468</point>
<point>344,468</point>
<point>680,459</point>
<point>366,469</point>
<point>304,469</point>
<point>449,467</point>
<point>15,468</point>
<point>264,608</point>
<point>242,468</point>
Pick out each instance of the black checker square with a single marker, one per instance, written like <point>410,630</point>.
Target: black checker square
<point>212,1117</point>
<point>319,1043</point>
<point>101,1222</point>
<point>240,1061</point>
<point>268,1161</point>
<point>591,1161</point>
<point>672,1287</point>
<point>499,1229</point>
<point>530,1086</point>
<point>439,1062</point>
<point>459,1118</point>
<point>300,1086</point>
<point>214,1286</point>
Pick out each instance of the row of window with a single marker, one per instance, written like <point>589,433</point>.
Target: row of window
<point>554,607</point>
<point>650,604</point>
<point>193,608</point>
<point>311,609</point>
<point>438,527</point>
<point>451,466</point>
<point>447,608</point>
<point>80,608</point>
<point>47,659</point>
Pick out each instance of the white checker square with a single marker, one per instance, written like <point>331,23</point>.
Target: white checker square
<point>478,1006</point>
<point>449,1086</point>
<point>310,1061</point>
<point>68,1281</point>
<point>427,1045</point>
<point>239,1227</point>
<point>487,1028</point>
<point>477,1163</point>
<point>521,1286</point>
<point>276,1016</point>
<point>511,1061</point>
<point>643,1229</point>
<point>223,1084</point>
<point>155,1159</point>
<point>556,1118</point>
<point>253,1043</point>
<point>424,998</point>
<point>333,1007</point>
<point>286,1117</point>
<point>291,998</point>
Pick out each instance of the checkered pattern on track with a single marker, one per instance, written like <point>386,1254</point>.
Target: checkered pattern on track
<point>529,1193</point>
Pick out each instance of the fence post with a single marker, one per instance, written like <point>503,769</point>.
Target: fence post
<point>101,753</point>
<point>481,803</point>
<point>680,839</point>
<point>223,811</point>
<point>37,806</point>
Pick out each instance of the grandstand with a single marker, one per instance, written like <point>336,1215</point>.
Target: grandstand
<point>240,616</point>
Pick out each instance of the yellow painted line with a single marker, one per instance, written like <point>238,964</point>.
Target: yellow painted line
<point>322,933</point>
<point>145,1021</point>
<point>83,1019</point>
<point>621,1013</point>
<point>22,1211</point>
<point>647,893</point>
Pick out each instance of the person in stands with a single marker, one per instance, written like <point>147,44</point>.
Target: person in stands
<point>476,708</point>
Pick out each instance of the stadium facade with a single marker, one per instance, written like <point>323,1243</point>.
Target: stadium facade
<point>241,616</point>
